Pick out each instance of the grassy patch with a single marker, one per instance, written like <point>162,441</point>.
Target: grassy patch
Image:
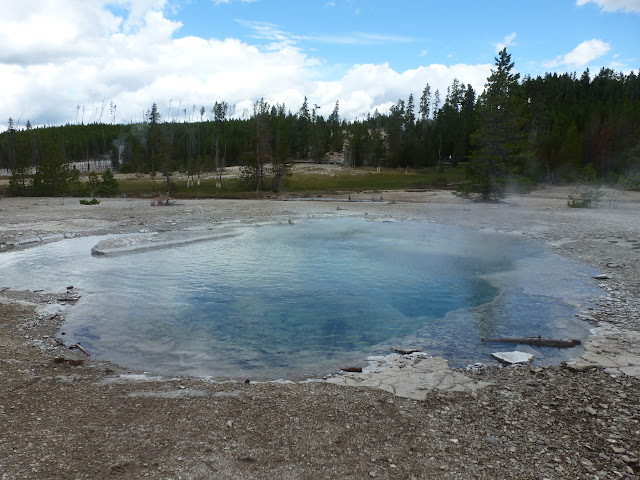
<point>142,187</point>
<point>347,180</point>
<point>356,180</point>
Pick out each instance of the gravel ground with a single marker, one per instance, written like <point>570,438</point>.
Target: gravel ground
<point>98,420</point>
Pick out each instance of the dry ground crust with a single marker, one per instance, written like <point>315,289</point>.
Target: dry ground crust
<point>67,422</point>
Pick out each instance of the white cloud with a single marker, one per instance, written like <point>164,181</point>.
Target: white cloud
<point>614,5</point>
<point>580,56</point>
<point>98,57</point>
<point>508,41</point>
<point>275,33</point>
<point>367,87</point>
<point>277,37</point>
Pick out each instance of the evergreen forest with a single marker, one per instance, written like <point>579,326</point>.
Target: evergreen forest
<point>518,131</point>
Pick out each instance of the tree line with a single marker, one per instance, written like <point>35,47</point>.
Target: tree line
<point>545,128</point>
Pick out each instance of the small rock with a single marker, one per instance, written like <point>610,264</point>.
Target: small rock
<point>602,276</point>
<point>587,464</point>
<point>580,367</point>
<point>591,411</point>
<point>247,459</point>
<point>513,358</point>
<point>352,369</point>
<point>406,351</point>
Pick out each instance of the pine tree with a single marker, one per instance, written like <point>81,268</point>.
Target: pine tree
<point>76,187</point>
<point>336,141</point>
<point>280,165</point>
<point>109,185</point>
<point>52,177</point>
<point>304,130</point>
<point>92,184</point>
<point>153,137</point>
<point>499,141</point>
<point>19,165</point>
<point>425,104</point>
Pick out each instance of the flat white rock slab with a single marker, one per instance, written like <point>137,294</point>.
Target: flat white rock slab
<point>513,358</point>
<point>136,243</point>
<point>410,376</point>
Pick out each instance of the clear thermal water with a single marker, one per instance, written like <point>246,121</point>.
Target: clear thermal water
<point>286,301</point>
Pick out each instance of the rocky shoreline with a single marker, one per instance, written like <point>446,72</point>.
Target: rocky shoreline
<point>83,418</point>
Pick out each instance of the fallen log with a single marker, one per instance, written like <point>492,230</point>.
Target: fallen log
<point>537,341</point>
<point>65,300</point>
<point>352,369</point>
<point>79,347</point>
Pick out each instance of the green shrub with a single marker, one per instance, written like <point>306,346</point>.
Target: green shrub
<point>587,193</point>
<point>92,183</point>
<point>93,201</point>
<point>109,185</point>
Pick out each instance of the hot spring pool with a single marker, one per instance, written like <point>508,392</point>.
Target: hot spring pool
<point>288,301</point>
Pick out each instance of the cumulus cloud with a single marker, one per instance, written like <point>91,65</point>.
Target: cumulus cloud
<point>614,5</point>
<point>78,53</point>
<point>580,56</point>
<point>366,88</point>
<point>508,41</point>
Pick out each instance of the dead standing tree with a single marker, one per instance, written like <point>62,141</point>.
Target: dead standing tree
<point>219,162</point>
<point>162,157</point>
<point>262,141</point>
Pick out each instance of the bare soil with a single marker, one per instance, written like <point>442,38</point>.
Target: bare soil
<point>99,420</point>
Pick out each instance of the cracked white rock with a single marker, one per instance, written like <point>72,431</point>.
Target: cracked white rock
<point>513,358</point>
<point>410,376</point>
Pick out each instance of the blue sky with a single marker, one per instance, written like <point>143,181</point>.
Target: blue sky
<point>58,57</point>
<point>407,34</point>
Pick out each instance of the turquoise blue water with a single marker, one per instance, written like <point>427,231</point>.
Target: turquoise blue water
<point>287,301</point>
